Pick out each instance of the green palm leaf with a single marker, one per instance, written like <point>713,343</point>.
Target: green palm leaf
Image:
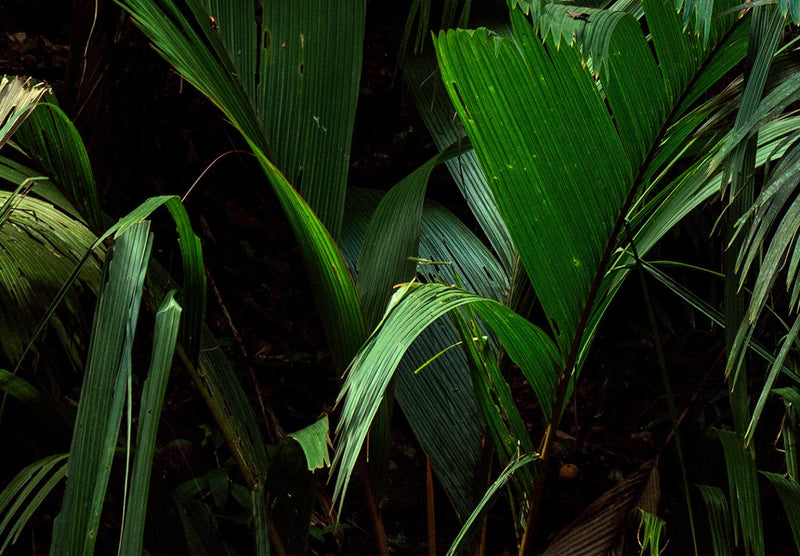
<point>53,141</point>
<point>155,386</point>
<point>40,249</point>
<point>488,499</point>
<point>411,310</point>
<point>420,74</point>
<point>719,519</point>
<point>519,169</point>
<point>391,240</point>
<point>565,157</point>
<point>789,493</point>
<point>745,504</point>
<point>103,395</point>
<point>26,491</point>
<point>211,57</point>
<point>310,66</point>
<point>439,400</point>
<point>560,99</point>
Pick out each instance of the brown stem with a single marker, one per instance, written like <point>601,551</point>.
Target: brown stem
<point>430,507</point>
<point>374,512</point>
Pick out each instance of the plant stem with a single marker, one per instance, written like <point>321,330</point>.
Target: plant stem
<point>374,512</point>
<point>662,364</point>
<point>430,507</point>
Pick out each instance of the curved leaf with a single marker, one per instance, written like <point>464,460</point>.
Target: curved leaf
<point>439,401</point>
<point>25,483</point>
<point>488,499</point>
<point>53,141</point>
<point>412,308</point>
<point>39,248</point>
<point>391,240</point>
<point>719,519</point>
<point>18,96</point>
<point>309,72</point>
<point>484,76</point>
<point>103,394</point>
<point>189,41</point>
<point>789,493</point>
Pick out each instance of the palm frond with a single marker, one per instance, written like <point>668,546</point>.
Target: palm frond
<point>28,488</point>
<point>41,247</point>
<point>53,141</point>
<point>165,336</point>
<point>303,122</point>
<point>103,394</point>
<point>18,97</point>
<point>789,493</point>
<point>411,310</point>
<point>438,401</point>
<point>719,519</point>
<point>745,503</point>
<point>391,240</point>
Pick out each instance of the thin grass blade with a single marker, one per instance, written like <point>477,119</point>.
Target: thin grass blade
<point>488,500</point>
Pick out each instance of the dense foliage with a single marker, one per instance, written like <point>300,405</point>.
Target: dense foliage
<point>579,138</point>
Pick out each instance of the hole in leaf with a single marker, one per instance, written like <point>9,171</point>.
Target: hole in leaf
<point>267,38</point>
<point>302,69</point>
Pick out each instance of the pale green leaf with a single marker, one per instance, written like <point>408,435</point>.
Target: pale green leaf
<point>102,396</point>
<point>439,401</point>
<point>155,386</point>
<point>18,97</point>
<point>412,309</point>
<point>314,441</point>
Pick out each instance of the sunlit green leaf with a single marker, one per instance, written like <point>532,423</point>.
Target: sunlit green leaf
<point>103,394</point>
<point>155,386</point>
